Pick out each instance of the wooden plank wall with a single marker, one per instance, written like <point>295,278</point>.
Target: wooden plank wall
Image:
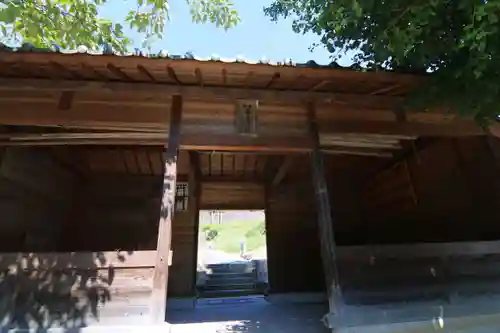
<point>228,195</point>
<point>35,197</point>
<point>442,272</point>
<point>430,229</point>
<point>294,262</point>
<point>447,192</point>
<point>344,204</point>
<point>73,290</point>
<point>47,207</point>
<point>114,212</point>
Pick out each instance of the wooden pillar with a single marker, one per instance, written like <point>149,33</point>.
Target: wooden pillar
<point>194,208</point>
<point>160,277</point>
<point>327,240</point>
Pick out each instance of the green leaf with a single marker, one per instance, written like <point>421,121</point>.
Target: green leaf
<point>70,23</point>
<point>454,43</point>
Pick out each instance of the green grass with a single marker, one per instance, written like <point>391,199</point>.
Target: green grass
<point>230,234</point>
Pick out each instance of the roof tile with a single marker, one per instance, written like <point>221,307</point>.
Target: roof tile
<point>162,54</point>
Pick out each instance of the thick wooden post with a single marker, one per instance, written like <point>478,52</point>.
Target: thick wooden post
<point>327,240</point>
<point>160,277</point>
<point>194,207</point>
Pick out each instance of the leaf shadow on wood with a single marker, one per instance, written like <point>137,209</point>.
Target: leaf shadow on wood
<point>42,291</point>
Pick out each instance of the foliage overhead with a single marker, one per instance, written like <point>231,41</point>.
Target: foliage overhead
<point>70,23</point>
<point>455,42</point>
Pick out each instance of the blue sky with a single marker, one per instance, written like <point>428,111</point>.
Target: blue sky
<point>254,38</point>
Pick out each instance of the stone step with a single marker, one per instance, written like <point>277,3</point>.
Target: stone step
<point>218,280</point>
<point>229,280</point>
<point>230,286</point>
<point>230,274</point>
<point>227,293</point>
<point>232,268</point>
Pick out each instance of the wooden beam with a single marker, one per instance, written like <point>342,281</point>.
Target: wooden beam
<point>77,260</point>
<point>203,93</point>
<point>232,183</point>
<point>420,250</point>
<point>232,206</point>
<point>386,138</point>
<point>458,127</point>
<point>282,171</point>
<point>357,152</point>
<point>160,277</point>
<point>202,142</point>
<point>325,223</point>
<point>244,178</point>
<point>414,149</point>
<point>119,116</point>
<point>359,144</point>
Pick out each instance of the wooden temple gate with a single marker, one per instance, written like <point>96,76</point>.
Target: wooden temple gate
<point>90,192</point>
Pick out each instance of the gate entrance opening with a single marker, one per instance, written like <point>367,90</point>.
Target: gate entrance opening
<point>232,254</point>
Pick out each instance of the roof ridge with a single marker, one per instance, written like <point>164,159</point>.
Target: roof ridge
<point>163,54</point>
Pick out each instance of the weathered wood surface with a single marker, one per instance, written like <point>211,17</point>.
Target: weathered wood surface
<point>443,272</point>
<point>73,290</point>
<point>447,191</point>
<point>184,264</point>
<point>167,211</point>
<point>325,221</point>
<point>362,103</point>
<point>114,213</point>
<point>34,189</point>
<point>125,186</point>
<point>232,195</point>
<point>184,254</point>
<point>292,239</point>
<point>236,167</point>
<point>206,92</point>
<point>77,260</point>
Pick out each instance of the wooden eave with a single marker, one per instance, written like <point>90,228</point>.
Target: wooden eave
<point>113,100</point>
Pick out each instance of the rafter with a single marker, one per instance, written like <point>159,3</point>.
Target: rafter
<point>205,92</point>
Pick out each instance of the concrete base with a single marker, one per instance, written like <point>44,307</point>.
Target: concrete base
<point>252,316</point>
<point>474,315</point>
<point>181,303</point>
<point>297,298</point>
<point>469,324</point>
